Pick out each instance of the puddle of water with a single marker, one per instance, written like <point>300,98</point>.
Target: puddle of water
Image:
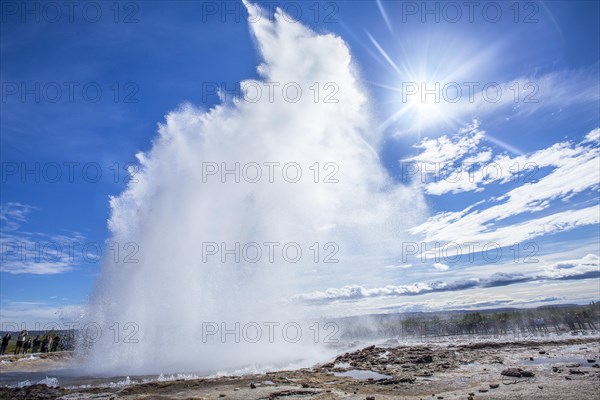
<point>362,374</point>
<point>69,377</point>
<point>556,360</point>
<point>471,364</point>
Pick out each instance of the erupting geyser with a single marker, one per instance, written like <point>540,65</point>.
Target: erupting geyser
<point>225,199</point>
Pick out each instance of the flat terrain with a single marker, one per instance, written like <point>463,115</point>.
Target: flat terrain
<point>562,369</point>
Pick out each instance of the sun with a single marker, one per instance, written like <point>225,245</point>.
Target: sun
<point>424,103</point>
<point>429,82</point>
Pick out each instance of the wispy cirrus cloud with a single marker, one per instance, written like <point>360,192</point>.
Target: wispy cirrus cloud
<point>467,166</point>
<point>13,214</point>
<point>37,253</point>
<point>32,314</point>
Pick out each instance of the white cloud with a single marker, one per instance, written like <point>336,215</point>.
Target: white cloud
<point>444,151</point>
<point>32,315</point>
<point>460,164</point>
<point>37,253</point>
<point>574,170</point>
<point>587,267</point>
<point>12,215</point>
<point>441,267</point>
<point>593,136</point>
<point>400,266</point>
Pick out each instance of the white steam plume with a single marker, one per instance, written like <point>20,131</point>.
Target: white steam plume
<point>171,209</point>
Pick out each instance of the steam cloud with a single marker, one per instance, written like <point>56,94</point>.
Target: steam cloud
<point>174,205</point>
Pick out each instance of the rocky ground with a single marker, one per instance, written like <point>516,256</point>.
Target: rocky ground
<point>557,369</point>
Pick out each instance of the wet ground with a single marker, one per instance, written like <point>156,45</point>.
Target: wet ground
<point>553,369</point>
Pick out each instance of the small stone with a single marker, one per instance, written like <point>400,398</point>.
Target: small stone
<point>494,385</point>
<point>542,352</point>
<point>567,378</point>
<point>540,387</point>
<point>591,361</point>
<point>305,385</point>
<point>482,390</point>
<point>370,398</point>
<point>576,372</point>
<point>252,386</point>
<point>517,373</point>
<point>530,358</point>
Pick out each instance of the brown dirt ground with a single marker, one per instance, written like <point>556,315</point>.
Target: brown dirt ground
<point>450,371</point>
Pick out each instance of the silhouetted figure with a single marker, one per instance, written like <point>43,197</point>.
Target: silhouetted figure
<point>27,345</point>
<point>36,344</point>
<point>46,344</point>
<point>21,339</point>
<point>4,345</point>
<point>55,343</point>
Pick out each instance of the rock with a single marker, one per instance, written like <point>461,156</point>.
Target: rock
<point>567,378</point>
<point>370,398</point>
<point>591,361</point>
<point>471,394</point>
<point>482,390</point>
<point>494,385</point>
<point>540,387</point>
<point>541,352</point>
<point>530,358</point>
<point>595,366</point>
<point>305,385</point>
<point>394,381</point>
<point>252,386</point>
<point>517,373</point>
<point>576,372</point>
<point>423,360</point>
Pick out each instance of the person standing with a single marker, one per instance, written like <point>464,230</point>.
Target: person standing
<point>4,345</point>
<point>36,344</point>
<point>26,346</point>
<point>55,343</point>
<point>21,339</point>
<point>46,343</point>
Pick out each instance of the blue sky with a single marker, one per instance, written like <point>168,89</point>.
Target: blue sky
<point>150,57</point>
